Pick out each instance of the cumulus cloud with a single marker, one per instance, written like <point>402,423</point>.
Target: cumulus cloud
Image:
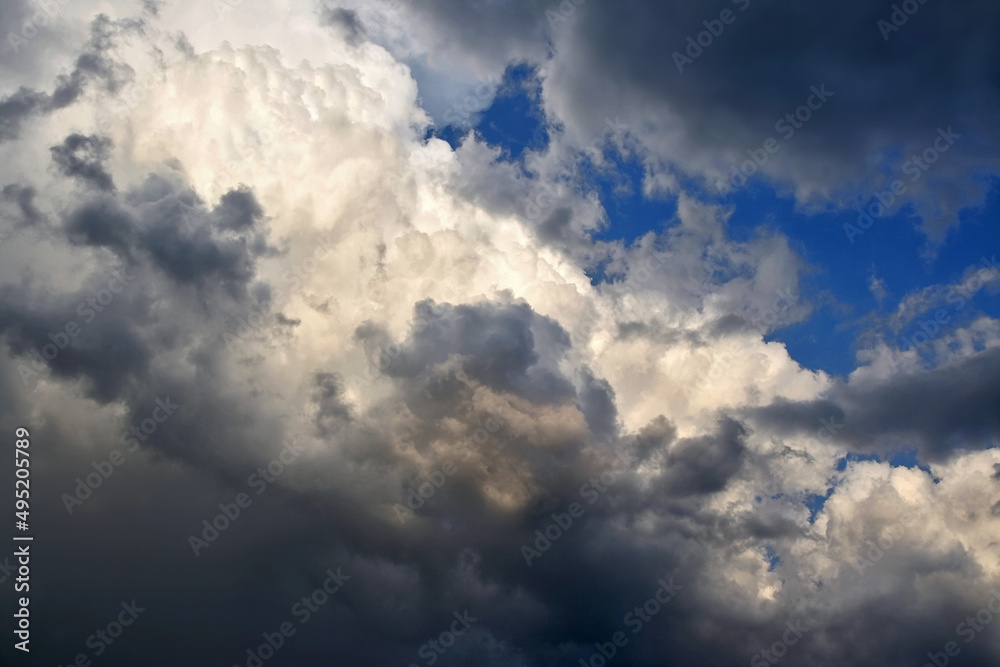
<point>416,383</point>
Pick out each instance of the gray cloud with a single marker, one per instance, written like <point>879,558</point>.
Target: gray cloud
<point>940,411</point>
<point>82,157</point>
<point>93,64</point>
<point>938,70</point>
<point>512,349</point>
<point>345,20</point>
<point>23,197</point>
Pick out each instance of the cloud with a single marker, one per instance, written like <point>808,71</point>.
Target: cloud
<point>93,64</point>
<point>342,19</point>
<point>81,157</point>
<point>298,266</point>
<point>939,410</point>
<point>700,119</point>
<point>23,197</point>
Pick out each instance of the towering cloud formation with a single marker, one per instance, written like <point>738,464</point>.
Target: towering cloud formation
<point>395,389</point>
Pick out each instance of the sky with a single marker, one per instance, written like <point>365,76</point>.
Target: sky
<point>506,333</point>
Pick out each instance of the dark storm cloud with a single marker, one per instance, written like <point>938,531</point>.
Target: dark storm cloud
<point>107,352</point>
<point>704,465</point>
<point>135,333</point>
<point>654,438</point>
<point>941,410</point>
<point>401,596</point>
<point>238,210</point>
<point>460,538</point>
<point>83,157</point>
<point>501,347</point>
<point>167,222</point>
<point>171,230</point>
<point>157,230</point>
<point>457,538</point>
<point>939,69</point>
<point>15,108</point>
<point>409,571</point>
<point>192,254</point>
<point>597,402</point>
<point>102,222</point>
<point>346,20</point>
<point>766,61</point>
<point>457,551</point>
